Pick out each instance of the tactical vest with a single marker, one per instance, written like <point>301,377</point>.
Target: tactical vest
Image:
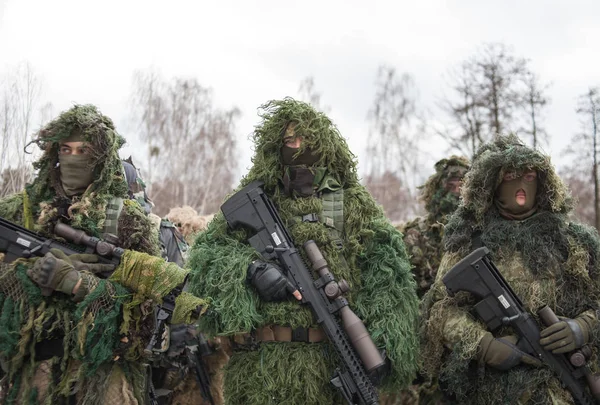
<point>332,215</point>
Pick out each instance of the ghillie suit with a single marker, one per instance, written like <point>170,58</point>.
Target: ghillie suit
<point>188,221</point>
<point>361,246</point>
<point>544,258</point>
<point>54,349</point>
<point>423,235</point>
<point>423,240</point>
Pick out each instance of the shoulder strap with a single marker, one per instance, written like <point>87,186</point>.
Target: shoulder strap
<point>333,210</point>
<point>113,211</point>
<point>332,215</point>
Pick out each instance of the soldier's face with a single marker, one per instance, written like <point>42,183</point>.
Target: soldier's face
<point>292,141</point>
<point>453,185</point>
<point>454,179</point>
<point>524,186</point>
<point>74,148</point>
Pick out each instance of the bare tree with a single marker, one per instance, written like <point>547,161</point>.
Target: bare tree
<point>579,184</point>
<point>584,151</point>
<point>467,120</point>
<point>487,90</point>
<point>535,100</point>
<point>192,145</point>
<point>149,112</point>
<point>308,93</point>
<point>393,153</point>
<point>46,113</point>
<point>20,93</point>
<point>589,108</point>
<point>388,190</point>
<point>12,180</point>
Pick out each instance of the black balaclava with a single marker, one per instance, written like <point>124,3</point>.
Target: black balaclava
<point>506,197</point>
<point>299,172</point>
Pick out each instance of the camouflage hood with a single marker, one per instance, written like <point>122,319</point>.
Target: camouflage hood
<point>506,154</point>
<point>88,210</point>
<point>439,202</point>
<point>319,134</point>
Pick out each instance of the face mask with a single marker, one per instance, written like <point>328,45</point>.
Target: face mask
<point>299,177</point>
<point>298,181</point>
<point>511,201</point>
<point>76,173</point>
<point>308,157</point>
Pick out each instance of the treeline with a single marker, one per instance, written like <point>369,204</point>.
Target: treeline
<point>191,146</point>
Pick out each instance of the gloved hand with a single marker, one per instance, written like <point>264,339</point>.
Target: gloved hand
<point>84,262</point>
<point>269,281</point>
<point>58,272</point>
<point>502,353</point>
<point>566,335</point>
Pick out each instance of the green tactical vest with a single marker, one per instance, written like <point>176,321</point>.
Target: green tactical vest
<point>332,215</point>
<point>331,193</point>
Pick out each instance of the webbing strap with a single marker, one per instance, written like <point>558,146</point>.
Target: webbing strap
<point>113,211</point>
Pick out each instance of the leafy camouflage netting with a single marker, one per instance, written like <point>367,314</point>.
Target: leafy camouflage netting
<point>545,259</point>
<point>378,270</point>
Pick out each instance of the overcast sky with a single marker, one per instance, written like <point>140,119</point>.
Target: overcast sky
<point>253,51</point>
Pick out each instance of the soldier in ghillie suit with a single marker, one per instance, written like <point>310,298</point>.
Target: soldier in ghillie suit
<point>310,175</point>
<point>423,239</point>
<point>423,235</point>
<point>514,204</point>
<point>84,342</point>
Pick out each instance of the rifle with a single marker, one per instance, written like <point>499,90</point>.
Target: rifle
<point>252,209</point>
<point>196,357</point>
<point>498,305</point>
<point>17,242</point>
